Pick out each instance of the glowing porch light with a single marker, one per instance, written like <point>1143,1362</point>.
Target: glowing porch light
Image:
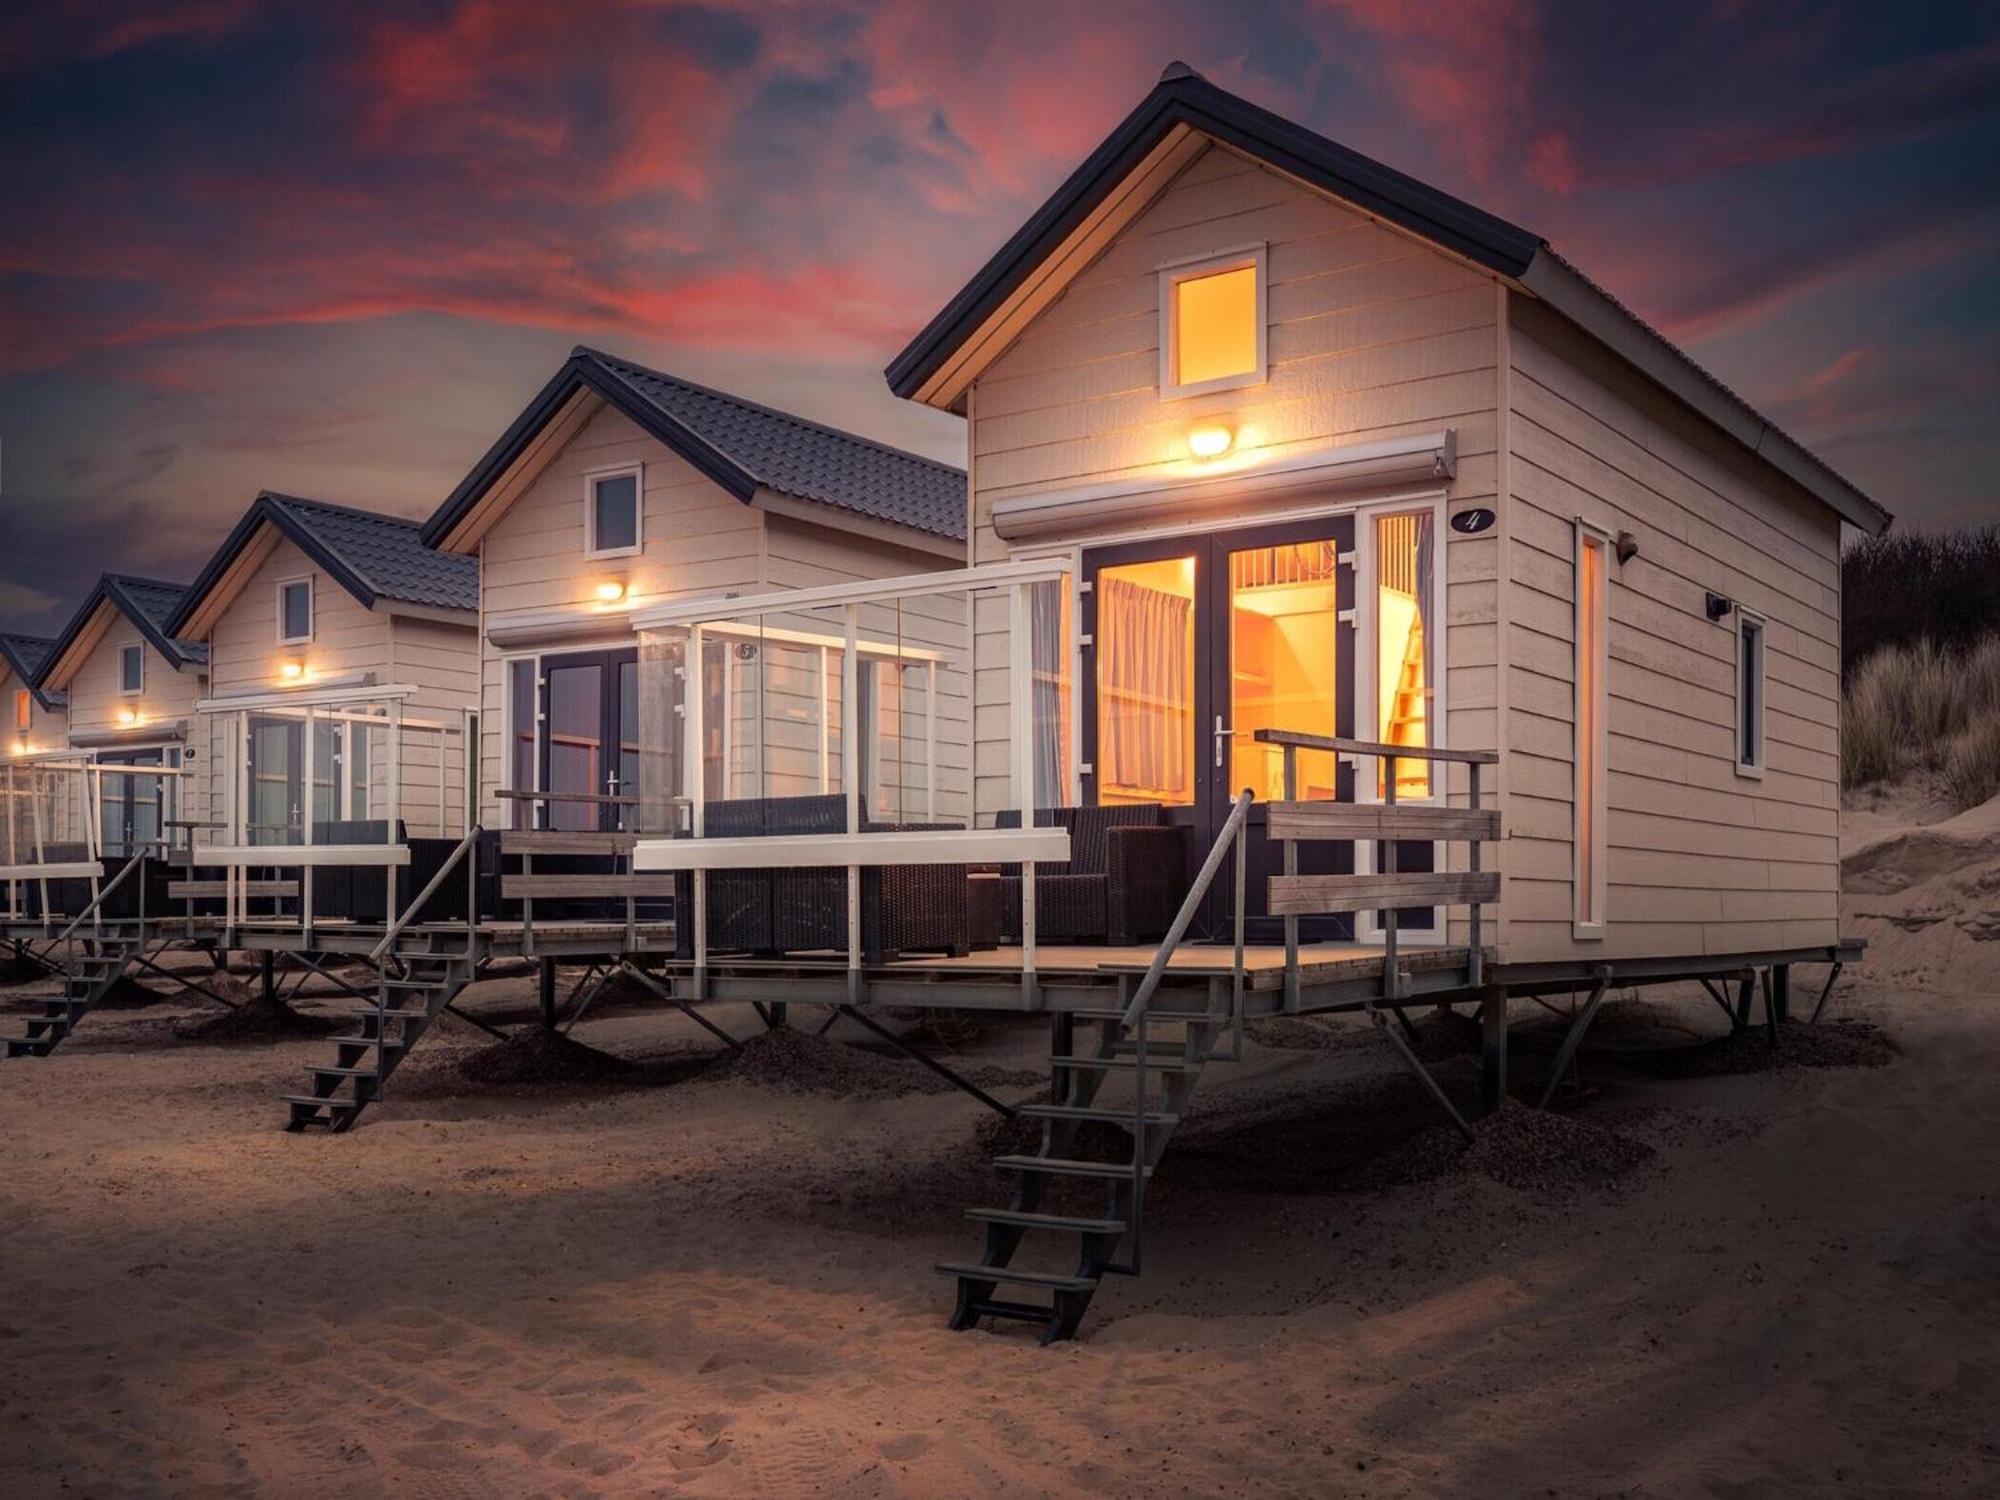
<point>127,717</point>
<point>291,671</point>
<point>610,591</point>
<point>1210,442</point>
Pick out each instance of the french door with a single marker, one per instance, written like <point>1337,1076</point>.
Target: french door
<point>134,809</point>
<point>589,707</point>
<point>1195,643</point>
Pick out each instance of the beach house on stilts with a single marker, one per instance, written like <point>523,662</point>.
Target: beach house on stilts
<point>1348,605</point>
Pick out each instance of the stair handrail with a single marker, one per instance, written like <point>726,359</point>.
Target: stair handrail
<point>1229,836</point>
<point>98,900</point>
<point>408,913</point>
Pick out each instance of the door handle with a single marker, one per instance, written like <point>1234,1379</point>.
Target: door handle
<point>1221,734</point>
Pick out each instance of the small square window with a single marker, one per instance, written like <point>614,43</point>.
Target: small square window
<point>295,610</point>
<point>1212,325</point>
<point>611,513</point>
<point>1749,694</point>
<point>131,669</point>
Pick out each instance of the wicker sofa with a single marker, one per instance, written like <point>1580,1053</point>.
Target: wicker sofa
<point>788,909</point>
<point>1123,881</point>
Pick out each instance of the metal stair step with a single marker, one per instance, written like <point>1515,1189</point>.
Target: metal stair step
<point>1049,1279</point>
<point>368,1041</point>
<point>1153,1065</point>
<point>1110,1112</point>
<point>330,1101</point>
<point>1063,1166</point>
<point>345,1072</point>
<point>1060,1223</point>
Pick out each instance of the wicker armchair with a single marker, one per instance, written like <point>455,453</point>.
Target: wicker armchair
<point>1124,879</point>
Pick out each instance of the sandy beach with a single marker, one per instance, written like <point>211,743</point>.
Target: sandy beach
<point>721,1286</point>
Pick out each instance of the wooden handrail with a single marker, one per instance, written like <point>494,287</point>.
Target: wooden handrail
<point>1374,747</point>
<point>510,794</point>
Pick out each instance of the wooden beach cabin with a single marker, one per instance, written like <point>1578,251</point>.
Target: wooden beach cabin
<point>37,719</point>
<point>1347,606</point>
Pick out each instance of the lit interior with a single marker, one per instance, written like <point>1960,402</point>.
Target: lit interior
<point>1589,705</point>
<point>1145,682</point>
<point>1283,636</point>
<point>1402,666</point>
<point>1215,326</point>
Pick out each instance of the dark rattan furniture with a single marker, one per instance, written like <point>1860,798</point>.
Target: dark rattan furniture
<point>1124,878</point>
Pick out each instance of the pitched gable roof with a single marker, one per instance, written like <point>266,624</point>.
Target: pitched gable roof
<point>370,555</point>
<point>739,444</point>
<point>27,655</point>
<point>148,603</point>
<point>1185,103</point>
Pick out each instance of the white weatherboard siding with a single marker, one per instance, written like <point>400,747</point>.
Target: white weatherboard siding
<point>96,705</point>
<point>1701,860</point>
<point>441,661</point>
<point>48,729</point>
<point>698,539</point>
<point>1372,335</point>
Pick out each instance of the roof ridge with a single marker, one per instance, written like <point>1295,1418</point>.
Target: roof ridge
<point>278,497</point>
<point>792,418</point>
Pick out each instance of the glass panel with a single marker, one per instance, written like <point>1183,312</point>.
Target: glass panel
<point>628,738</point>
<point>521,738</point>
<point>1054,649</point>
<point>576,746</point>
<point>1215,333</point>
<point>1589,711</point>
<point>1405,679</point>
<point>616,498</point>
<point>1284,624</point>
<point>297,601</point>
<point>1145,682</point>
<point>355,761</point>
<point>1750,752</point>
<point>132,668</point>
<point>277,754</point>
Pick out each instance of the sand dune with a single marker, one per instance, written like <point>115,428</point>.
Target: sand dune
<point>1927,898</point>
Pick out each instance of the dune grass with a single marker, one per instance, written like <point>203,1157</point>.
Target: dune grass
<point>1908,587</point>
<point>1927,707</point>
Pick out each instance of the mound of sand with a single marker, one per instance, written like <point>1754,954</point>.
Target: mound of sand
<point>126,993</point>
<point>1927,898</point>
<point>1533,1150</point>
<point>255,1019</point>
<point>536,1055</point>
<point>1835,1044</point>
<point>1096,1140</point>
<point>795,1062</point>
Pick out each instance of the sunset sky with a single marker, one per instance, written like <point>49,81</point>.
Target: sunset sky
<point>332,250</point>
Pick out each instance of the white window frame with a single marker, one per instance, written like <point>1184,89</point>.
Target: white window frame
<point>135,691</point>
<point>591,479</point>
<point>1593,926</point>
<point>1171,275</point>
<point>1367,655</point>
<point>312,610</point>
<point>1759,754</point>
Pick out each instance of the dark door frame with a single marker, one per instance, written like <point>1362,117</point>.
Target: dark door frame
<point>610,726</point>
<point>1202,819</point>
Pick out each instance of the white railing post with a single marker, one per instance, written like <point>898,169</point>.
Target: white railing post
<point>851,730</point>
<point>930,741</point>
<point>694,690</point>
<point>1020,688</point>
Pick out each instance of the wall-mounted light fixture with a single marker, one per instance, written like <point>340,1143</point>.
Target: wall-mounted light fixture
<point>1626,546</point>
<point>1719,606</point>
<point>127,717</point>
<point>1210,442</point>
<point>610,591</point>
<point>291,671</point>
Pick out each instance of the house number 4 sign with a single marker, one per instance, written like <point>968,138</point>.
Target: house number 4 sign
<point>1471,521</point>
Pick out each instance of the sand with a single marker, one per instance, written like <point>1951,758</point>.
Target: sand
<point>681,1274</point>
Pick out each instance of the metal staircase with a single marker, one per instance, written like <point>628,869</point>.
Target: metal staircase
<point>99,962</point>
<point>421,973</point>
<point>1162,1052</point>
<point>405,1008</point>
<point>99,954</point>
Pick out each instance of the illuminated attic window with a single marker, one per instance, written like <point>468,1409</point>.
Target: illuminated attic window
<point>1212,323</point>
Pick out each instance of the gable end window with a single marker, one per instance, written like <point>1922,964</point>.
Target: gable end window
<point>132,669</point>
<point>24,710</point>
<point>295,611</point>
<point>1212,323</point>
<point>612,512</point>
<point>1749,694</point>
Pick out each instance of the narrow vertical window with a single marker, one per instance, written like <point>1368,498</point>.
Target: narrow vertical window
<point>24,710</point>
<point>611,513</point>
<point>131,669</point>
<point>1405,677</point>
<point>521,712</point>
<point>1749,694</point>
<point>1589,784</point>
<point>295,611</point>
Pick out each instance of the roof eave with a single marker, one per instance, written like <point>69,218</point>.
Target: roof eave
<point>1571,294</point>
